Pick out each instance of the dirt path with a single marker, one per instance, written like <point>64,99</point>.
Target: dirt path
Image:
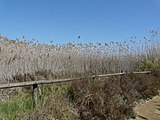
<point>149,110</point>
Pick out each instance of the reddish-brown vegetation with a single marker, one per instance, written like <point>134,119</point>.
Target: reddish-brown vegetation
<point>115,98</point>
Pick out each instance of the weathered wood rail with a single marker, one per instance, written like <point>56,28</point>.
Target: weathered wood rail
<point>30,83</point>
<point>35,84</point>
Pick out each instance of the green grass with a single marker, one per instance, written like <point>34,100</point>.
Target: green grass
<point>18,105</point>
<point>52,101</point>
<point>149,64</point>
<point>9,109</point>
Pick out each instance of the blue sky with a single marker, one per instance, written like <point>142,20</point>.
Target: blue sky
<point>62,21</point>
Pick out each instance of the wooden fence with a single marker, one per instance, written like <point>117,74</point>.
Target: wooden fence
<point>35,84</point>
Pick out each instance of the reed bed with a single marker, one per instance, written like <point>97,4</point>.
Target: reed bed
<point>99,99</point>
<point>20,60</point>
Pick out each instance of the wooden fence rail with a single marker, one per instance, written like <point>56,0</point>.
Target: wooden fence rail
<point>35,84</point>
<point>30,83</point>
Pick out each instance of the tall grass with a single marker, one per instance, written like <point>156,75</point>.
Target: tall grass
<point>20,60</point>
<point>112,98</point>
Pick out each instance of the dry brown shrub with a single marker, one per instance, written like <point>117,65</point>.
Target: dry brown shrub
<point>115,98</point>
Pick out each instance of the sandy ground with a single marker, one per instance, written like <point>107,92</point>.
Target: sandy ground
<point>148,110</point>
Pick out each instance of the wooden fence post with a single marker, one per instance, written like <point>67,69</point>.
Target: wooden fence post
<point>34,95</point>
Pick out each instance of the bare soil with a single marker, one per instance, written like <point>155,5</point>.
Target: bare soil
<point>148,110</point>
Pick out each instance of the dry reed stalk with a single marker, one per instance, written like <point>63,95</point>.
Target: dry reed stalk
<point>71,60</point>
